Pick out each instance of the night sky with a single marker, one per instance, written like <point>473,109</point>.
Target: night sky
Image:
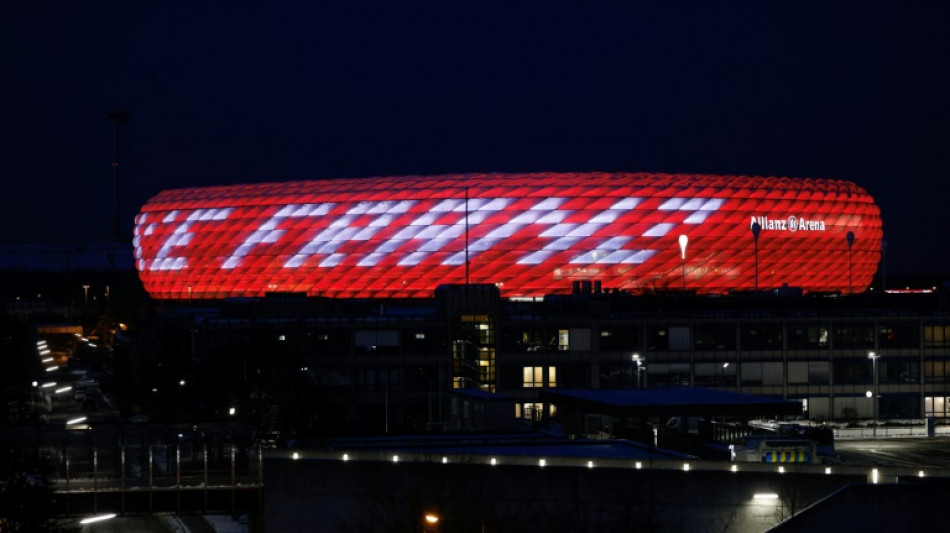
<point>240,92</point>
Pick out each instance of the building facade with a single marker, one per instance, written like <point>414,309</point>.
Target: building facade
<point>529,234</point>
<point>390,365</point>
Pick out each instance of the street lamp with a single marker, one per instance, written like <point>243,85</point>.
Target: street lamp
<point>639,362</point>
<point>85,301</point>
<point>874,386</point>
<point>431,521</point>
<point>683,241</point>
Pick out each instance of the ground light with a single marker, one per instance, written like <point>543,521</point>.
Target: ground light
<point>97,518</point>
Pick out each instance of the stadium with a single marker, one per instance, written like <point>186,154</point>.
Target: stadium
<point>529,234</point>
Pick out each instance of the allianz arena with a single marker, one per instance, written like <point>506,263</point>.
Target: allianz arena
<point>529,234</point>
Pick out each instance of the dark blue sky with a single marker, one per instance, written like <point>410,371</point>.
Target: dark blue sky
<point>235,92</point>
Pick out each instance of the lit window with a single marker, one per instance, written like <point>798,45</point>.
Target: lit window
<point>532,377</point>
<point>529,411</point>
<point>552,376</point>
<point>563,339</point>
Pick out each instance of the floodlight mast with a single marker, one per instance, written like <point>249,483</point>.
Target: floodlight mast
<point>684,240</point>
<point>756,229</point>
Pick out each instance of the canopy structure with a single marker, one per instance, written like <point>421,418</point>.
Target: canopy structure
<point>671,402</point>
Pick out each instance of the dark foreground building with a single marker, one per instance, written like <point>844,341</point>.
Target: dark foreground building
<point>494,484</point>
<point>390,365</point>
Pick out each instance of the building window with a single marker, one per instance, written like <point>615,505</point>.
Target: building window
<point>719,374</point>
<point>377,379</point>
<point>852,371</point>
<point>805,336</point>
<point>898,371</point>
<point>899,335</point>
<point>679,338</point>
<point>936,371</point>
<point>531,411</point>
<point>818,372</point>
<point>714,337</point>
<point>532,377</point>
<point>936,336</point>
<point>761,337</point>
<point>563,340</point>
<point>853,336</point>
<point>936,406</point>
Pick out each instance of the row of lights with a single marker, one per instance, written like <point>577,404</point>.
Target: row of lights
<point>638,465</point>
<point>759,497</point>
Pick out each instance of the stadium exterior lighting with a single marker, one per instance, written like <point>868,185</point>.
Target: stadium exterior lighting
<point>513,231</point>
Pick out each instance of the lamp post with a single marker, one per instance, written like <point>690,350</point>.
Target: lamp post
<point>874,386</point>
<point>639,362</point>
<point>756,229</point>
<point>850,238</point>
<point>683,241</point>
<point>85,301</point>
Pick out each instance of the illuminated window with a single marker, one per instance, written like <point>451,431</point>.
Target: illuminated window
<point>529,411</point>
<point>936,371</point>
<point>532,377</point>
<point>936,406</point>
<point>936,336</point>
<point>563,340</point>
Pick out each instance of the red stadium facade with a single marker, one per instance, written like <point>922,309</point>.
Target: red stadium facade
<point>529,234</point>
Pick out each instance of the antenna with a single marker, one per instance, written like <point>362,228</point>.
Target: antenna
<point>119,119</point>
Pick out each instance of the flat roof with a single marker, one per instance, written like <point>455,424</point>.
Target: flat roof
<point>672,401</point>
<point>530,444</point>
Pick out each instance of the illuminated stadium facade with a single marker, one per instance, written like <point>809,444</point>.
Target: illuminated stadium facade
<point>528,234</point>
